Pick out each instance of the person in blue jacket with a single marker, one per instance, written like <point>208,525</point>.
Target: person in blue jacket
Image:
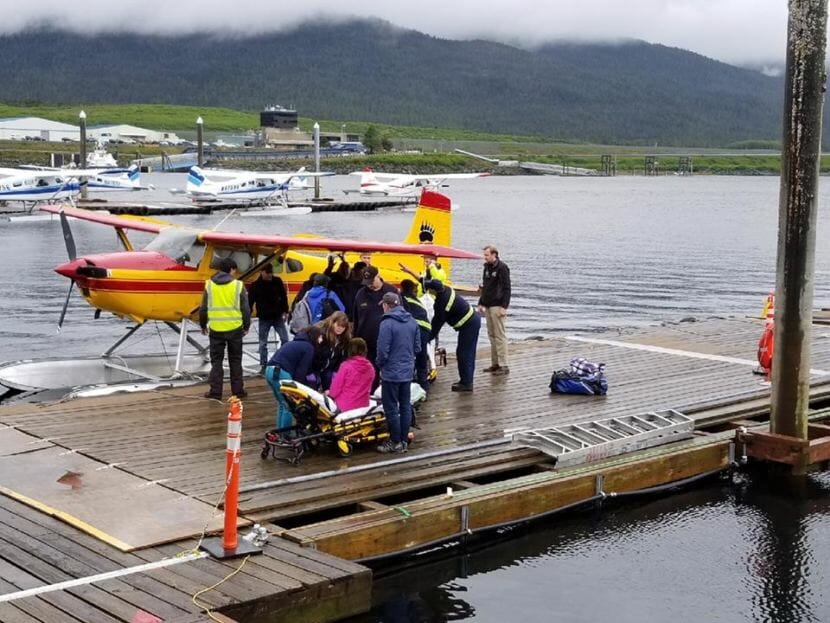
<point>458,313</point>
<point>398,344</point>
<point>317,299</point>
<point>293,361</point>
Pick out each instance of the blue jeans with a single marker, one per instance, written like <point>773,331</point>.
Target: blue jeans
<point>465,353</point>
<point>265,327</point>
<point>396,408</point>
<point>284,418</point>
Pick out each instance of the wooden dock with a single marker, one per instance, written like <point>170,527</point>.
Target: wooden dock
<point>168,449</point>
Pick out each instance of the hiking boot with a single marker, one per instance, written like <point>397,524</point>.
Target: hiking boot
<point>502,371</point>
<point>460,387</point>
<point>492,369</point>
<point>213,396</point>
<point>242,394</point>
<point>390,446</point>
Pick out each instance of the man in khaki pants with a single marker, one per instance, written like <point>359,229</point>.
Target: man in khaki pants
<point>493,304</point>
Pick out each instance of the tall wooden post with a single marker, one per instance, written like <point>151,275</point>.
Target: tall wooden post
<point>200,142</point>
<point>317,159</point>
<point>82,163</point>
<point>804,99</point>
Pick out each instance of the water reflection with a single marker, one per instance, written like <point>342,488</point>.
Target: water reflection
<point>784,560</point>
<point>719,552</point>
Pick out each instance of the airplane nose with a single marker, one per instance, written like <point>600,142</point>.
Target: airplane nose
<point>70,269</point>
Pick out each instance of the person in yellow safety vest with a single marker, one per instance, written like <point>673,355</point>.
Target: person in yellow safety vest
<point>432,270</point>
<point>225,317</point>
<point>461,316</point>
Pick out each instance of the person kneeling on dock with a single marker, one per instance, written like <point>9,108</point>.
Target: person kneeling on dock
<point>462,317</point>
<point>292,361</point>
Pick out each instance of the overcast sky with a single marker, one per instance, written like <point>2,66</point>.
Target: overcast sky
<point>736,31</point>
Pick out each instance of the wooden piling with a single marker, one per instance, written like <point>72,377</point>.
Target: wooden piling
<point>804,99</point>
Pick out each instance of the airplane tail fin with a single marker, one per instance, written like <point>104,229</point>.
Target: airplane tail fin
<point>134,173</point>
<point>195,177</point>
<point>367,177</point>
<point>432,223</point>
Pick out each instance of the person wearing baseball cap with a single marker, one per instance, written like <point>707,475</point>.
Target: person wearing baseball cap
<point>368,311</point>
<point>398,344</point>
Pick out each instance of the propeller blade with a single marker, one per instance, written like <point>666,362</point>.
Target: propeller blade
<point>67,238</point>
<point>65,303</point>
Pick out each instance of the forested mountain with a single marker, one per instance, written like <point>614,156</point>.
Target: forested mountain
<point>631,92</point>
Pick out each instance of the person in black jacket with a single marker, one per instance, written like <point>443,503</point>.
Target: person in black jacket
<point>411,303</point>
<point>368,311</point>
<point>270,300</point>
<point>493,304</point>
<point>458,313</point>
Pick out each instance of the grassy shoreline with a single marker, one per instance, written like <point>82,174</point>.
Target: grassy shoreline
<point>15,153</point>
<point>435,143</point>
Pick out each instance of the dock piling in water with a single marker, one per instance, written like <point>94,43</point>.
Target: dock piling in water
<point>804,99</point>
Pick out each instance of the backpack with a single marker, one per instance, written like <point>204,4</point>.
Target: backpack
<point>582,377</point>
<point>301,317</point>
<point>329,307</point>
<point>322,307</point>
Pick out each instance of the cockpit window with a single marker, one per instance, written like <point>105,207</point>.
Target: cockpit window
<point>287,265</point>
<point>179,244</point>
<point>244,260</point>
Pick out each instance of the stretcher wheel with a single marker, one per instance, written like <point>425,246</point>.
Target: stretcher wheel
<point>344,447</point>
<point>264,453</point>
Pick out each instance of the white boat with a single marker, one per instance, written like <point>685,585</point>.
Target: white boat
<point>100,158</point>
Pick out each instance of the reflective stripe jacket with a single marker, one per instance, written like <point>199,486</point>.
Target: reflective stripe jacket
<point>449,308</point>
<point>224,304</point>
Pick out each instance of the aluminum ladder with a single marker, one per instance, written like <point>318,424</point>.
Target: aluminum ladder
<point>573,444</point>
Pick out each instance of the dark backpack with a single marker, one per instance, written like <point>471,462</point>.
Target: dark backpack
<point>328,307</point>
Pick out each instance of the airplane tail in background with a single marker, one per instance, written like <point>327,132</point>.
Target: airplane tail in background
<point>195,177</point>
<point>367,177</point>
<point>134,173</point>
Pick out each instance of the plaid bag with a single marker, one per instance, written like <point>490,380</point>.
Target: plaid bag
<point>582,377</point>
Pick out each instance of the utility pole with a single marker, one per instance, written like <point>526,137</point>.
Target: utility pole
<point>82,163</point>
<point>804,100</point>
<point>200,142</point>
<point>317,160</point>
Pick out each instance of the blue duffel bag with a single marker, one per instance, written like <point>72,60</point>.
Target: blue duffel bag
<point>582,377</point>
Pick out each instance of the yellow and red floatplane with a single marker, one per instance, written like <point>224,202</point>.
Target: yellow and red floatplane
<point>164,281</point>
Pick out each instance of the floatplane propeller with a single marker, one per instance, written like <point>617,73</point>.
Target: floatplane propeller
<point>72,252</point>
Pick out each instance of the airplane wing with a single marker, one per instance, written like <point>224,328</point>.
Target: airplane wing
<point>440,177</point>
<point>329,244</point>
<point>459,176</point>
<point>138,224</point>
<point>29,168</point>
<point>33,173</point>
<point>397,177</point>
<point>242,241</point>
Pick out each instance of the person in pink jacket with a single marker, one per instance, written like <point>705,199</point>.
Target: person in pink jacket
<point>352,383</point>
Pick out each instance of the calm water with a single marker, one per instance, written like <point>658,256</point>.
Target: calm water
<point>718,552</point>
<point>585,254</point>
